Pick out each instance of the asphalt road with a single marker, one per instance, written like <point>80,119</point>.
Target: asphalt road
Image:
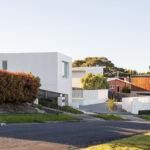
<point>66,135</point>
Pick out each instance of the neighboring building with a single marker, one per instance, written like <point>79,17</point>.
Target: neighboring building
<point>140,84</point>
<point>116,85</point>
<point>79,72</point>
<point>54,69</point>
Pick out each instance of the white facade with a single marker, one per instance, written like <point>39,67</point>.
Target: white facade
<point>88,97</point>
<point>48,66</point>
<point>79,72</point>
<point>135,104</point>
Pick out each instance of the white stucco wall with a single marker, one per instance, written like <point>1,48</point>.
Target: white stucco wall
<point>79,72</point>
<point>48,66</point>
<point>90,97</point>
<point>135,104</point>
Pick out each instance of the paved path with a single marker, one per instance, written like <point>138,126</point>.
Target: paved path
<point>133,118</point>
<point>67,135</point>
<point>101,108</point>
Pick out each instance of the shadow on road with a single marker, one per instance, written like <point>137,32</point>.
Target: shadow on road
<point>78,134</point>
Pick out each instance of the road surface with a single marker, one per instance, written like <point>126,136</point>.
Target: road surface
<point>67,135</point>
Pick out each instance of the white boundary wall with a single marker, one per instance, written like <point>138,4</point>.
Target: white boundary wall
<point>90,97</point>
<point>135,104</point>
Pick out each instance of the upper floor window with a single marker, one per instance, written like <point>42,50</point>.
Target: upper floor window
<point>4,65</point>
<point>65,69</point>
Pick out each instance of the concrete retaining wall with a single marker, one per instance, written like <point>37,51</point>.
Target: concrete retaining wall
<point>135,104</point>
<point>90,97</point>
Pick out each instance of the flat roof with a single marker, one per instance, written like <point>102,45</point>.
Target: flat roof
<point>87,68</point>
<point>134,76</point>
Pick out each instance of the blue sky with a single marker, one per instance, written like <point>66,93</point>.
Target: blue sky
<point>116,29</point>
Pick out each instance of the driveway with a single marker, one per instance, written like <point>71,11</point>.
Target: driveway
<point>67,135</point>
<point>102,108</point>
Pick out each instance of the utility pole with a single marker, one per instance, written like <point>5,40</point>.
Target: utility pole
<point>118,74</point>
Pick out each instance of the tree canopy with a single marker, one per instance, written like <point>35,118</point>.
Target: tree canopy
<point>94,82</point>
<point>110,70</point>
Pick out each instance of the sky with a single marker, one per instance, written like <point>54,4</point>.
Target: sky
<point>116,29</point>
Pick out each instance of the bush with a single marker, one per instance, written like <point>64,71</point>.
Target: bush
<point>18,88</point>
<point>94,82</point>
<point>126,89</point>
<point>53,104</point>
<point>111,104</point>
<point>48,102</point>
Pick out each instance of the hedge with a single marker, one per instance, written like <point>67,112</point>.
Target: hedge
<point>18,87</point>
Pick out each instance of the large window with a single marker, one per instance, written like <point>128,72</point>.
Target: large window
<point>65,70</point>
<point>4,65</point>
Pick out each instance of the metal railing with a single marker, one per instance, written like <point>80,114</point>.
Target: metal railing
<point>48,94</point>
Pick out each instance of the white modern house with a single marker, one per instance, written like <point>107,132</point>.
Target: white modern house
<point>79,72</point>
<point>86,97</point>
<point>53,68</point>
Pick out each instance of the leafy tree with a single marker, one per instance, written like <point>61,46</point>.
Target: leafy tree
<point>109,71</point>
<point>78,63</point>
<point>94,82</point>
<point>132,72</point>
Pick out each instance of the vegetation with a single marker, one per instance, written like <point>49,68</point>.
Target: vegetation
<point>28,118</point>
<point>147,117</point>
<point>39,106</point>
<point>53,104</point>
<point>72,110</point>
<point>110,70</point>
<point>48,103</point>
<point>108,116</point>
<point>139,142</point>
<point>94,82</point>
<point>111,104</point>
<point>17,88</point>
<point>126,89</point>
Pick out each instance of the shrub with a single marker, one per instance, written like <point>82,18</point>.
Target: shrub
<point>53,104</point>
<point>17,87</point>
<point>48,103</point>
<point>126,89</point>
<point>111,104</point>
<point>94,82</point>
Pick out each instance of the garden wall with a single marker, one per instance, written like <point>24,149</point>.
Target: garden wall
<point>135,104</point>
<point>89,97</point>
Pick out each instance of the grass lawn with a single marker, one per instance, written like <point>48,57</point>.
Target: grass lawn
<point>72,110</point>
<point>108,116</point>
<point>29,118</point>
<point>139,142</point>
<point>147,117</point>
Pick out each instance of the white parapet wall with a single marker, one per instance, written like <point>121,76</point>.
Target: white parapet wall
<point>135,104</point>
<point>89,97</point>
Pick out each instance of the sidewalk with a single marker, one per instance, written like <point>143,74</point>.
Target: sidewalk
<point>132,117</point>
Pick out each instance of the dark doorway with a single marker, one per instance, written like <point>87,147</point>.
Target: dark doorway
<point>118,89</point>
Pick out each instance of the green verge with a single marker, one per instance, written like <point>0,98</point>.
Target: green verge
<point>31,118</point>
<point>147,117</point>
<point>108,116</point>
<point>139,142</point>
<point>53,104</point>
<point>72,110</point>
